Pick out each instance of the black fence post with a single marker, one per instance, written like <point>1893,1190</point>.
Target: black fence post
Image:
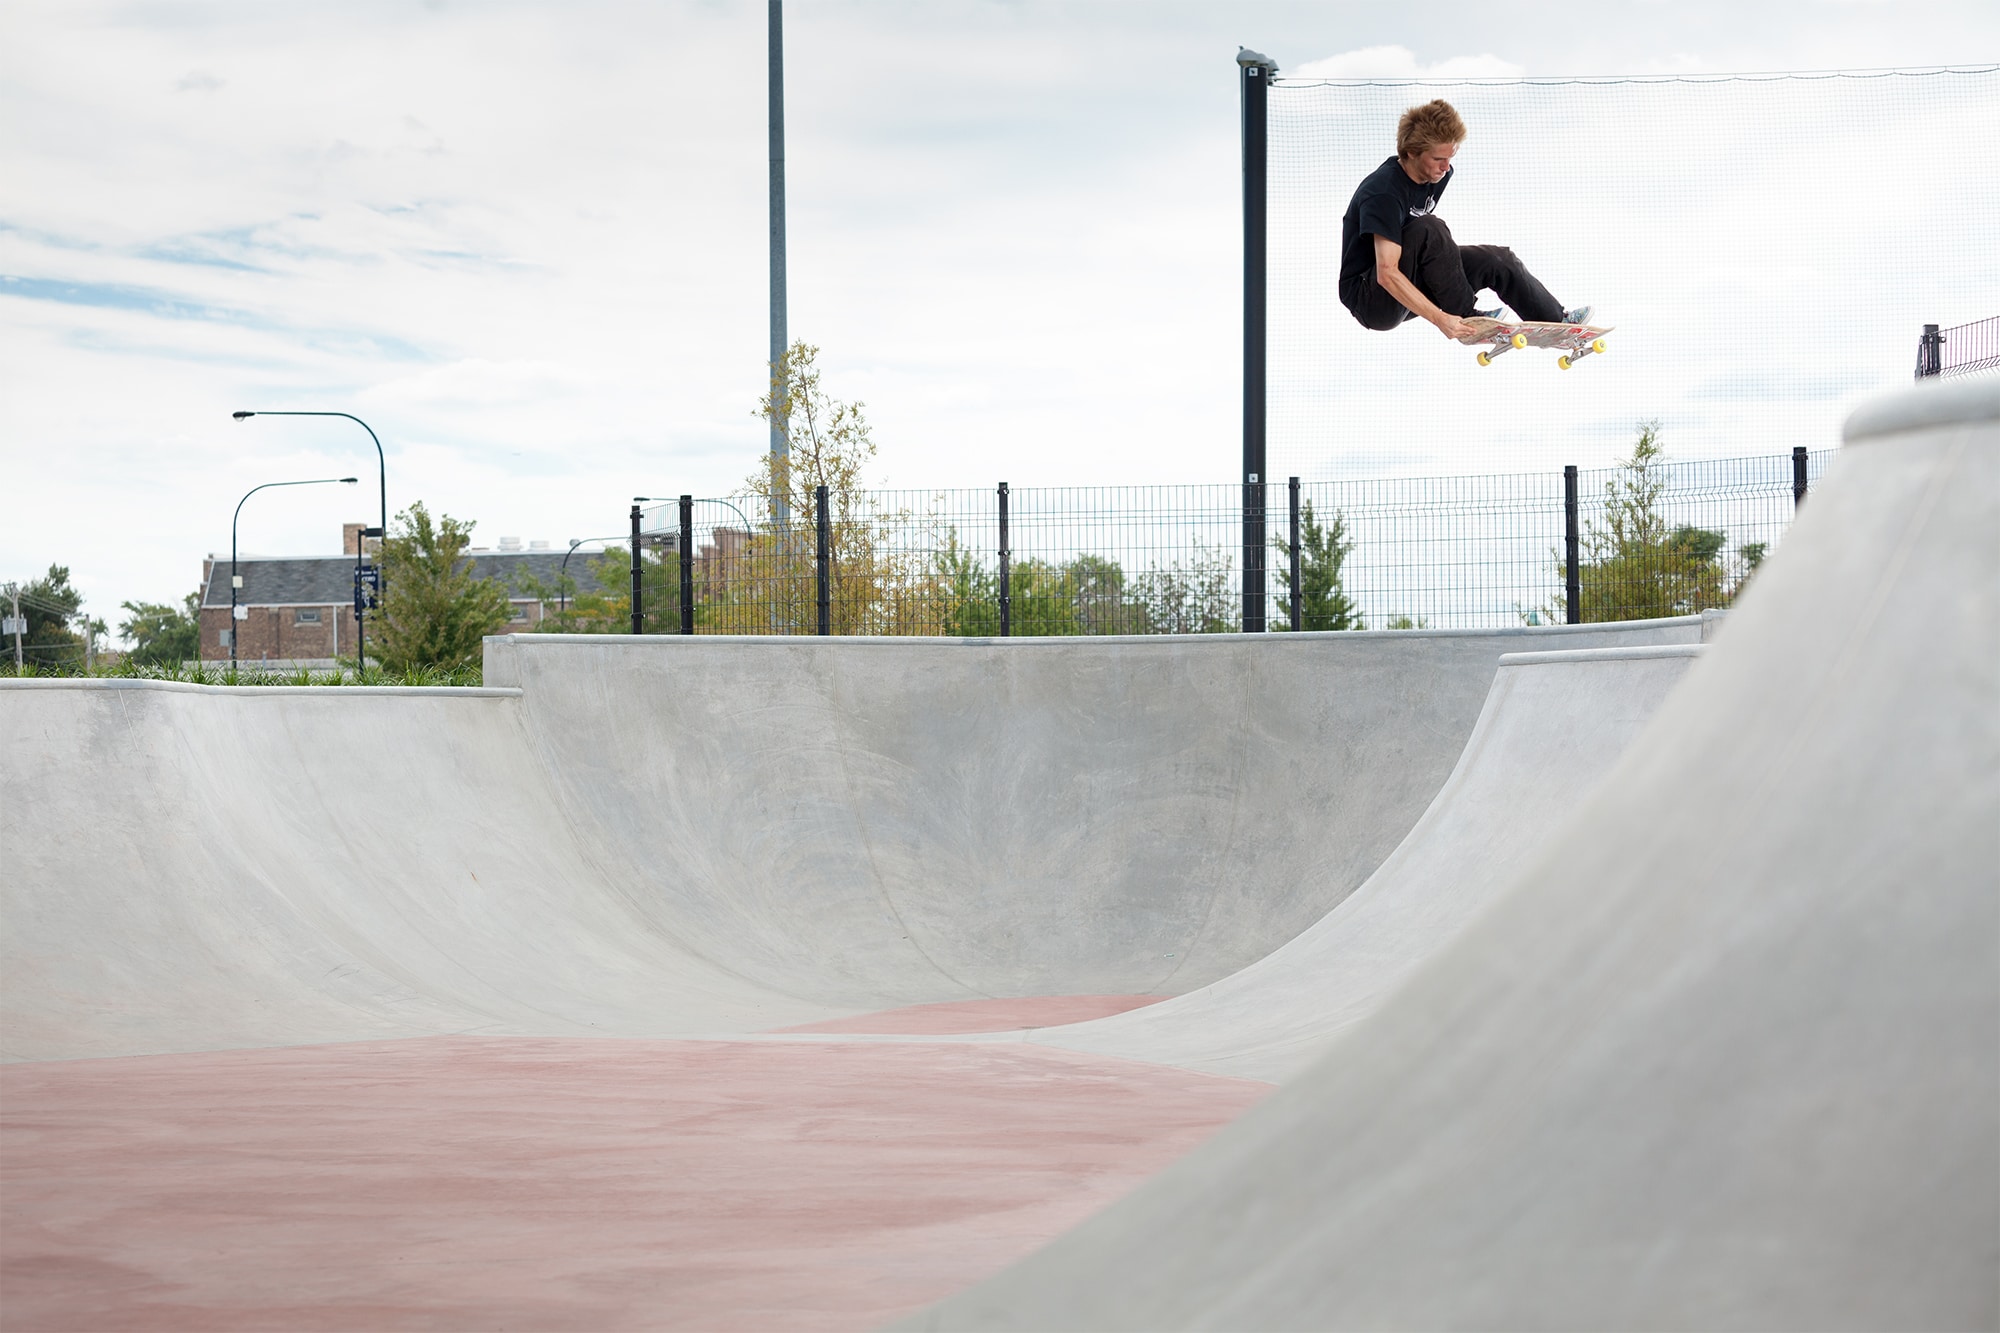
<point>1798,475</point>
<point>638,569</point>
<point>1297,592</point>
<point>1572,550</point>
<point>1930,352</point>
<point>687,564</point>
<point>822,561</point>
<point>1255,79</point>
<point>1006,571</point>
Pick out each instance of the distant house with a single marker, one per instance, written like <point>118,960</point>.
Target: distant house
<point>299,610</point>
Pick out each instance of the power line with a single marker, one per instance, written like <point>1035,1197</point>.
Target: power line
<point>1768,76</point>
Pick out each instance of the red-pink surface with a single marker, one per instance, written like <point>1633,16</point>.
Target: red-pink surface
<point>937,1020</point>
<point>541,1184</point>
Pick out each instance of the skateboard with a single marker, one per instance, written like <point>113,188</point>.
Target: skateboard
<point>1500,335</point>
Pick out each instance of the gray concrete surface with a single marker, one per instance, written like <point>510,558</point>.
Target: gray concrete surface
<point>1551,728</point>
<point>1727,1053</point>
<point>664,837</point>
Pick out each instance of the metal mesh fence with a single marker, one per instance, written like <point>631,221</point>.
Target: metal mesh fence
<point>1963,349</point>
<point>1419,552</point>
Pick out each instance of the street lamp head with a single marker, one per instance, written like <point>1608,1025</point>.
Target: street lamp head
<point>241,415</point>
<point>349,481</point>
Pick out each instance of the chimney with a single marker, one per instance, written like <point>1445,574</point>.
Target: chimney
<point>350,539</point>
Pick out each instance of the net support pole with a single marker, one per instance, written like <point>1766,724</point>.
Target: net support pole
<point>638,570</point>
<point>687,564</point>
<point>1572,550</point>
<point>1006,570</point>
<point>822,562</point>
<point>1297,591</point>
<point>1930,352</point>
<point>1254,78</point>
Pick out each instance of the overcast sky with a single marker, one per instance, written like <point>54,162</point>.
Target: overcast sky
<point>525,241</point>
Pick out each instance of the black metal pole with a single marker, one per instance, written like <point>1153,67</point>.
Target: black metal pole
<point>1572,549</point>
<point>360,611</point>
<point>315,481</point>
<point>1297,592</point>
<point>687,564</point>
<point>1930,356</point>
<point>638,625</point>
<point>1256,71</point>
<point>1006,571</point>
<point>775,103</point>
<point>822,559</point>
<point>1798,475</point>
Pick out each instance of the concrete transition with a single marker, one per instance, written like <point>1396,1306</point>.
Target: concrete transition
<point>1610,979</point>
<point>660,837</point>
<point>1725,1054</point>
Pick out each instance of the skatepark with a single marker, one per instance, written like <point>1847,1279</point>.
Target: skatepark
<point>1627,975</point>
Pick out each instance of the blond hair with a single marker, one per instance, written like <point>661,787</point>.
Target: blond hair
<point>1428,126</point>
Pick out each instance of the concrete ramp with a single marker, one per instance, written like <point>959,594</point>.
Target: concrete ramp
<point>1727,1054</point>
<point>660,837</point>
<point>1553,725</point>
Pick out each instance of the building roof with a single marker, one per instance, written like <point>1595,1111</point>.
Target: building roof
<point>328,580</point>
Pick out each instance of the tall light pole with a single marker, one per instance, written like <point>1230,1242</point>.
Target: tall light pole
<point>235,579</point>
<point>381,461</point>
<point>780,445</point>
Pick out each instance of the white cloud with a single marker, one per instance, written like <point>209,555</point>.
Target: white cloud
<point>1400,62</point>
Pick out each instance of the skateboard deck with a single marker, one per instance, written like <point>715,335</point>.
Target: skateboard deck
<point>1504,335</point>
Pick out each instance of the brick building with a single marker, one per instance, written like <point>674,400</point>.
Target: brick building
<point>299,610</point>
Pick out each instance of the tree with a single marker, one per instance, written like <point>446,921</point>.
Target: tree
<point>434,612</point>
<point>877,585</point>
<point>1323,550</point>
<point>48,604</point>
<point>163,635</point>
<point>1635,565</point>
<point>605,607</point>
<point>1191,597</point>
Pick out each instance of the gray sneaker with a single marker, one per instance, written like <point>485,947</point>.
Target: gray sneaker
<point>1494,313</point>
<point>1577,314</point>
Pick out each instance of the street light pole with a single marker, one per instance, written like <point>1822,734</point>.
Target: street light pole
<point>361,543</point>
<point>235,579</point>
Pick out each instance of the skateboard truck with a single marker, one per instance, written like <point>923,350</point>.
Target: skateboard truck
<point>1564,362</point>
<point>1518,340</point>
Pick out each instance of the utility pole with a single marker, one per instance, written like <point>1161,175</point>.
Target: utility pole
<point>780,338</point>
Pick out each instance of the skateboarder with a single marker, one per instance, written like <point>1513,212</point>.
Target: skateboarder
<point>1398,259</point>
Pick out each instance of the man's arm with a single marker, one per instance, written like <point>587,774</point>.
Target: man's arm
<point>1388,272</point>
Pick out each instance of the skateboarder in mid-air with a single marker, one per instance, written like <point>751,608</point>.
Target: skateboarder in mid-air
<point>1398,259</point>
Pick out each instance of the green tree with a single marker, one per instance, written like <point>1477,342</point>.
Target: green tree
<point>1323,551</point>
<point>434,612</point>
<point>877,583</point>
<point>49,604</point>
<point>1195,596</point>
<point>604,606</point>
<point>1636,565</point>
<point>163,635</point>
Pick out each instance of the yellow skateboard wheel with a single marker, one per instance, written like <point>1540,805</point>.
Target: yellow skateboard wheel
<point>1597,346</point>
<point>1562,363</point>
<point>1485,360</point>
<point>1520,340</point>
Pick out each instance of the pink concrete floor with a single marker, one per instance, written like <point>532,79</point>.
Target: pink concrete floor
<point>936,1020</point>
<point>500,1183</point>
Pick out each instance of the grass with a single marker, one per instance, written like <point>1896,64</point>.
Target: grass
<point>221,673</point>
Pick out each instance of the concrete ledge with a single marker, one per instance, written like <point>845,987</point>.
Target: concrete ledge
<point>1949,403</point>
<point>189,687</point>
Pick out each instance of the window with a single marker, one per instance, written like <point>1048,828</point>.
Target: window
<point>517,611</point>
<point>306,615</point>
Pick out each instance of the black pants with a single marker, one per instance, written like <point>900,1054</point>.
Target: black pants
<point>1452,275</point>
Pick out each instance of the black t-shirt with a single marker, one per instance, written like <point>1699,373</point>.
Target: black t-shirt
<point>1385,200</point>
